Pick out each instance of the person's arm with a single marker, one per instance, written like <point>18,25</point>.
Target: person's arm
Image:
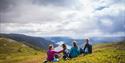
<point>70,51</point>
<point>85,47</point>
<point>58,51</point>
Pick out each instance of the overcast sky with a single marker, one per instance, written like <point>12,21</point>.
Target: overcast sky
<point>74,18</point>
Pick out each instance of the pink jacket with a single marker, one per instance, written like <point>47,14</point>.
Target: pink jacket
<point>51,54</point>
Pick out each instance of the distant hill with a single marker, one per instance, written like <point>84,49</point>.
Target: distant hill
<point>36,42</point>
<point>107,39</point>
<point>66,40</point>
<point>80,42</point>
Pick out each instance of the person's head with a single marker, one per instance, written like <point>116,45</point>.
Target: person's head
<point>87,41</point>
<point>50,47</point>
<point>74,44</point>
<point>64,46</point>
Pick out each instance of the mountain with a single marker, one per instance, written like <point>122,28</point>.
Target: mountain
<point>67,40</point>
<point>12,51</point>
<point>11,46</point>
<point>80,42</point>
<point>43,42</point>
<point>57,39</point>
<point>36,42</point>
<point>107,39</point>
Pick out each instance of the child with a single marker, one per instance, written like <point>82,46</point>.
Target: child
<point>65,52</point>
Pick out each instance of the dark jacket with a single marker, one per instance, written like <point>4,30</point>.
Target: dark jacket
<point>88,47</point>
<point>65,54</point>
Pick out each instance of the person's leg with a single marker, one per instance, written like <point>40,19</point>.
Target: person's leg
<point>55,60</point>
<point>90,49</point>
<point>70,56</point>
<point>64,57</point>
<point>81,51</point>
<point>45,62</point>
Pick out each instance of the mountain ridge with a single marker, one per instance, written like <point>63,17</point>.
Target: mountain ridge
<point>37,42</point>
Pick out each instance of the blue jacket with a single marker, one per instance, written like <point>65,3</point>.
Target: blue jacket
<point>74,52</point>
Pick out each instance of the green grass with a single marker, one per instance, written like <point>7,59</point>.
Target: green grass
<point>102,53</point>
<point>14,52</point>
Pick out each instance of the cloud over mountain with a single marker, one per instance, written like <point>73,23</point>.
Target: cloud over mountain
<point>63,17</point>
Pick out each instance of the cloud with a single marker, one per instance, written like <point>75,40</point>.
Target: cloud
<point>61,3</point>
<point>106,22</point>
<point>75,18</point>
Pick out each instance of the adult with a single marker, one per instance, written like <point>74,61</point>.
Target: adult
<point>51,53</point>
<point>74,52</point>
<point>65,52</point>
<point>88,47</point>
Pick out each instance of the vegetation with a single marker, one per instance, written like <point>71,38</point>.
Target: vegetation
<point>103,53</point>
<point>16,52</point>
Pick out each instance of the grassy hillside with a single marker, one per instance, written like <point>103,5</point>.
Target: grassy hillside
<point>102,53</point>
<point>15,52</point>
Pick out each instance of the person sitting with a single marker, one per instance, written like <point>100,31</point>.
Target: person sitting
<point>88,47</point>
<point>51,54</point>
<point>65,52</point>
<point>74,52</point>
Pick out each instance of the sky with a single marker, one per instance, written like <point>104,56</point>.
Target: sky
<point>74,18</point>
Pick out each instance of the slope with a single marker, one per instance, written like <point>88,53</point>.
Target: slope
<point>12,51</point>
<point>36,42</point>
<point>102,53</point>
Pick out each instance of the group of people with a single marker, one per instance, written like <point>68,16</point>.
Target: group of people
<point>53,56</point>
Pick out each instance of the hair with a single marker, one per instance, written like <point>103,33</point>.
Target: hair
<point>64,46</point>
<point>50,46</point>
<point>87,40</point>
<point>74,44</point>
